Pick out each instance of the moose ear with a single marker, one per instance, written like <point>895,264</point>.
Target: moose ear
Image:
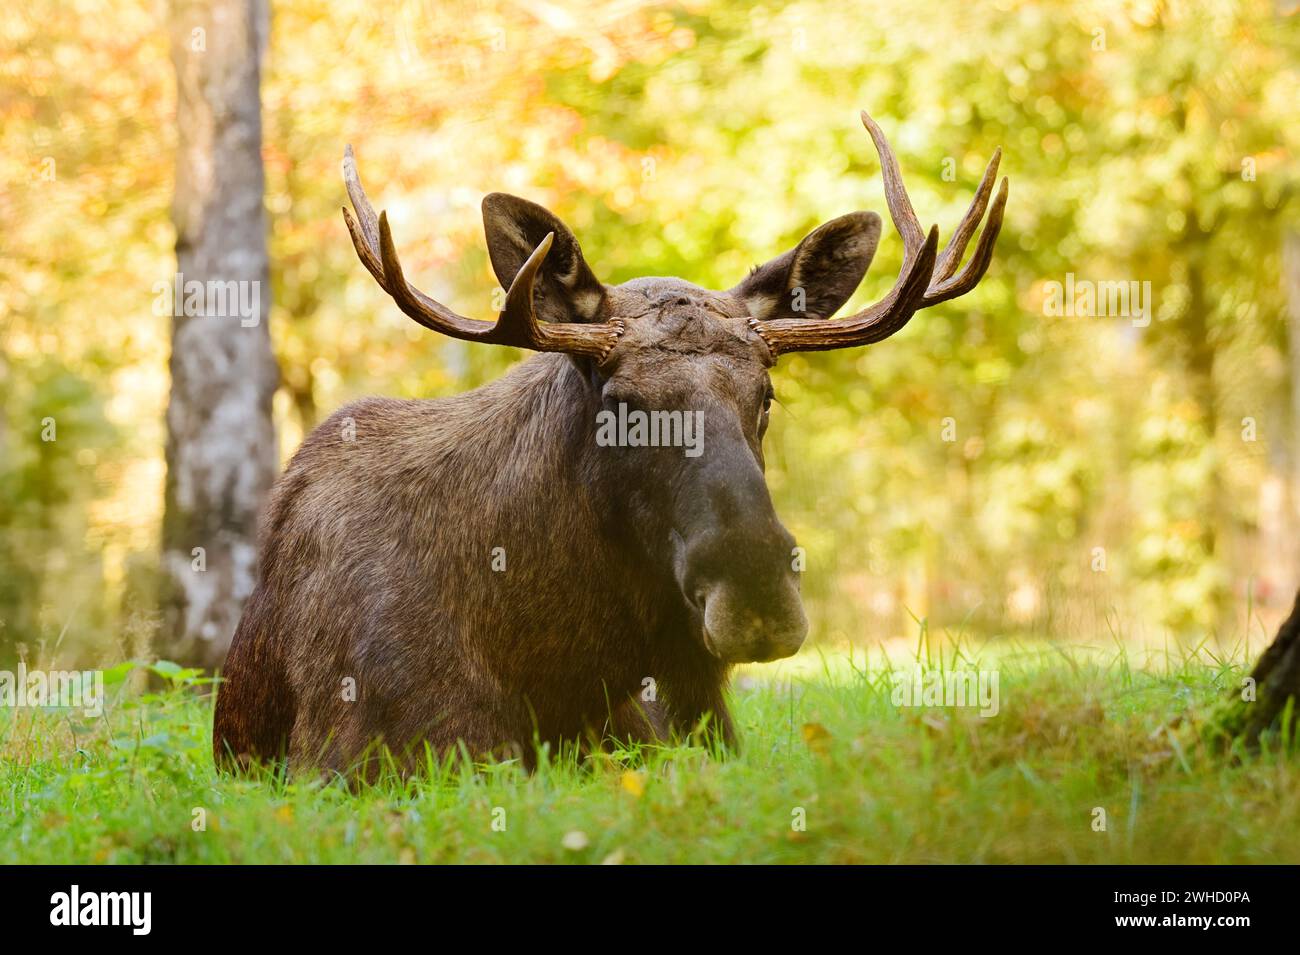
<point>818,275</point>
<point>565,289</point>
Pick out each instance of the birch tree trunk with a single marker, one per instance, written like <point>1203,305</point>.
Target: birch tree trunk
<point>221,451</point>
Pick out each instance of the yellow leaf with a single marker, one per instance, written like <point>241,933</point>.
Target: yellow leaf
<point>817,737</point>
<point>633,782</point>
<point>284,815</point>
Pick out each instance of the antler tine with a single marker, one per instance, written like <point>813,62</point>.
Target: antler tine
<point>365,234</point>
<point>970,276</point>
<point>900,206</point>
<point>374,244</point>
<point>956,247</point>
<point>432,315</point>
<point>518,325</point>
<point>925,278</point>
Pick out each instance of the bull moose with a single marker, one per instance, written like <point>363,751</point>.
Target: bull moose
<point>479,570</point>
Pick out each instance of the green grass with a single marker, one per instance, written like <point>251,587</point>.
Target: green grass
<point>1077,729</point>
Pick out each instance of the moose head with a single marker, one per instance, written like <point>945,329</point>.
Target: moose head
<point>665,347</point>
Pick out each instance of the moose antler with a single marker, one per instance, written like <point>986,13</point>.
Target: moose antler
<point>923,280</point>
<point>518,324</point>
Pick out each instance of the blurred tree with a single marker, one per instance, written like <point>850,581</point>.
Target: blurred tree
<point>1291,281</point>
<point>221,453</point>
<point>84,150</point>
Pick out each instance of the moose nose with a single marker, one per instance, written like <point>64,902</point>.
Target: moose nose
<point>743,587</point>
<point>738,629</point>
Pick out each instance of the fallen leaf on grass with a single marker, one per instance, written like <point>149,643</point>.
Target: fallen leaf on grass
<point>633,781</point>
<point>817,737</point>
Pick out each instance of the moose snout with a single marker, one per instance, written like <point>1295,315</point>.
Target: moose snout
<point>737,630</point>
<point>745,595</point>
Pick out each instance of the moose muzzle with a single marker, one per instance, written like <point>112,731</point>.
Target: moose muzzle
<point>736,571</point>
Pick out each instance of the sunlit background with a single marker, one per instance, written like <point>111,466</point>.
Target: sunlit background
<point>994,468</point>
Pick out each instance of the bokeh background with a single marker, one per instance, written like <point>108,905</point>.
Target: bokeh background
<point>993,468</point>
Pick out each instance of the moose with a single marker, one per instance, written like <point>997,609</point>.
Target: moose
<point>479,571</point>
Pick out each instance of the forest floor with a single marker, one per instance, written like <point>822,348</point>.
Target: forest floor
<point>1087,760</point>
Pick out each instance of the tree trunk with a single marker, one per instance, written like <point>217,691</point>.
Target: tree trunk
<point>1269,700</point>
<point>221,451</point>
